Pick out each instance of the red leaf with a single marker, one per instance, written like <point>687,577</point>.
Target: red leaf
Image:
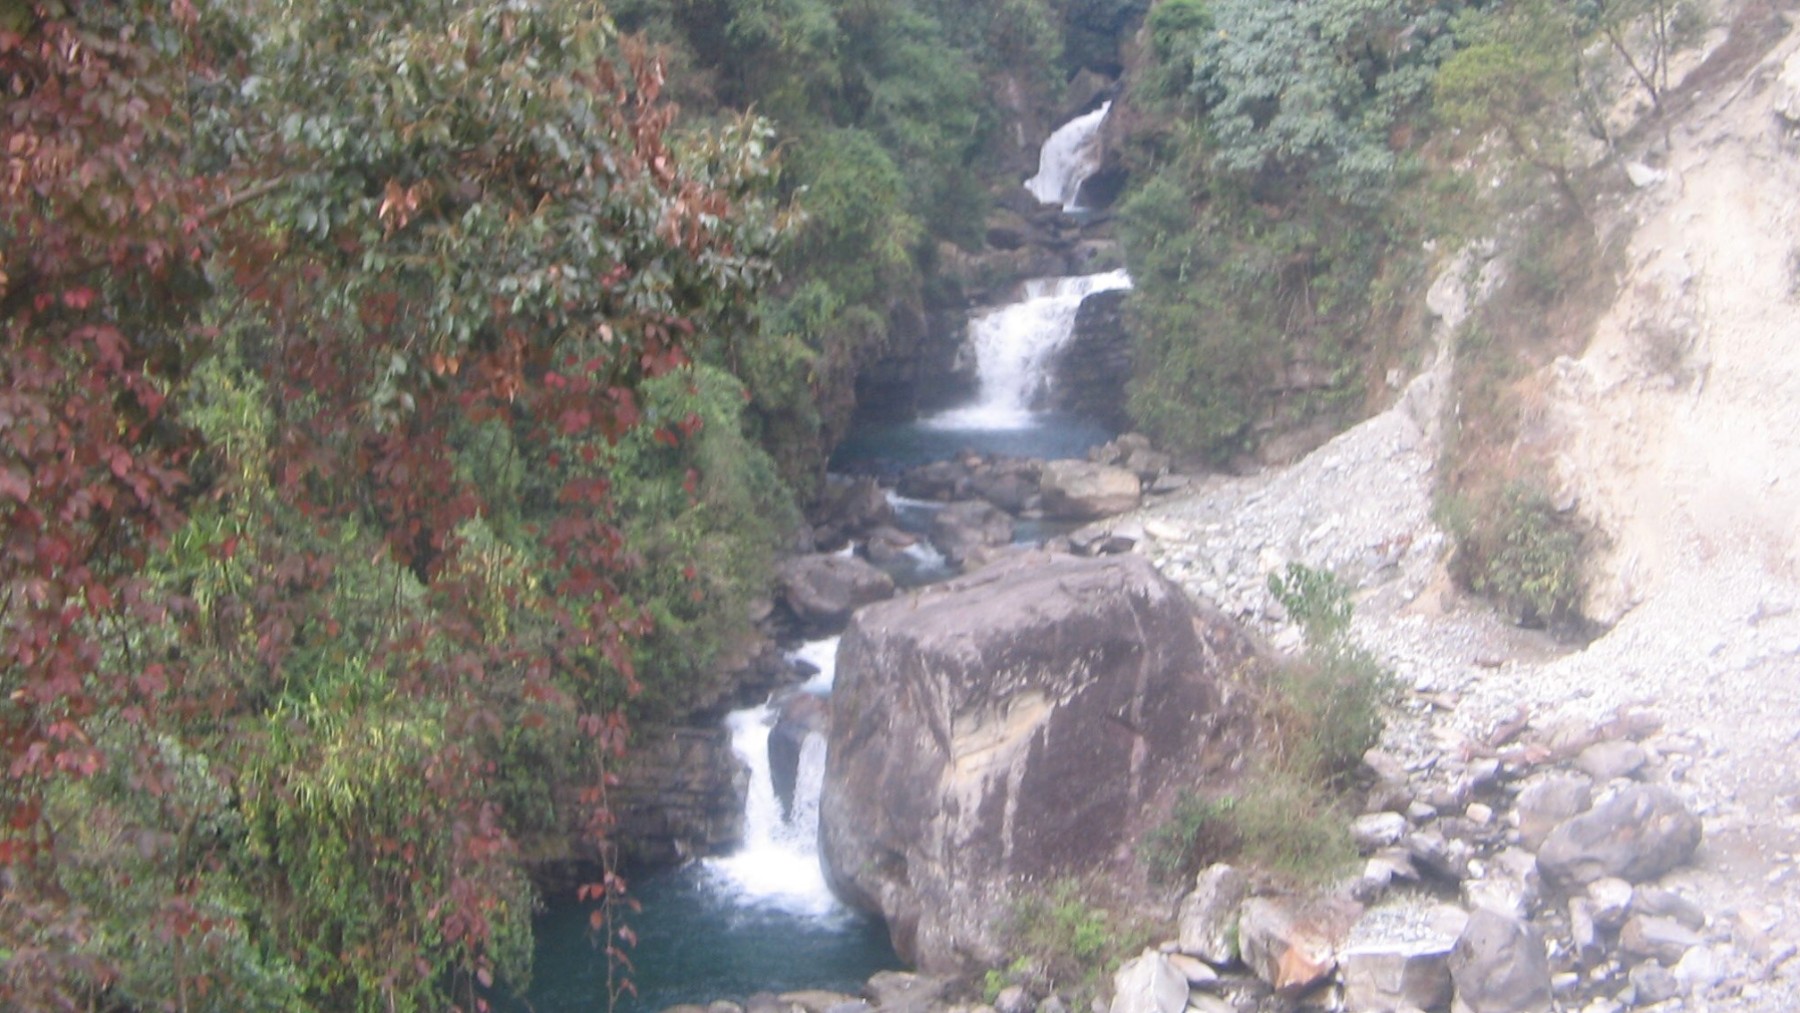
<point>78,298</point>
<point>15,485</point>
<point>120,461</point>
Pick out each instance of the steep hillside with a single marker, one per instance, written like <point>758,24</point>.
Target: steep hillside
<point>1676,431</point>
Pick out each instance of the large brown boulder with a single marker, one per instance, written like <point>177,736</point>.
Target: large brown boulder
<point>1007,728</point>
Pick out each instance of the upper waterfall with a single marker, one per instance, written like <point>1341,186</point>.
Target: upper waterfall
<point>1014,346</point>
<point>1068,158</point>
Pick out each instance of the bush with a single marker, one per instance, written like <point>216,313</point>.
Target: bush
<point>1198,832</point>
<point>1066,942</point>
<point>1516,548</point>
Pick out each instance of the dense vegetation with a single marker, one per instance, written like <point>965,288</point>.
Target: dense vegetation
<point>400,398</point>
<point>357,429</point>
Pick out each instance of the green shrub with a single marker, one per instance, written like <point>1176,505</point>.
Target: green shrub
<point>1318,600</point>
<point>1332,705</point>
<point>1066,940</point>
<point>1199,831</point>
<point>1517,549</point>
<point>1291,824</point>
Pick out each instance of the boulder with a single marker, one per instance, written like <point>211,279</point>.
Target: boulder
<point>1082,490</point>
<point>1636,834</point>
<point>1545,803</point>
<point>1499,966</point>
<point>1664,940</point>
<point>679,795</point>
<point>1290,949</point>
<point>1006,728</point>
<point>1613,758</point>
<point>938,480</point>
<point>904,991</point>
<point>1149,984</point>
<point>1381,977</point>
<point>960,528</point>
<point>822,590</point>
<point>850,509</point>
<point>887,544</point>
<point>1010,489</point>
<point>1209,914</point>
<point>1373,831</point>
<point>1089,372</point>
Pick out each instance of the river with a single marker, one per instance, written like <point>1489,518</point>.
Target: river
<point>762,919</point>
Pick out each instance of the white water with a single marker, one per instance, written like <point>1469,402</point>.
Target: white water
<point>1067,159</point>
<point>1014,346</point>
<point>777,866</point>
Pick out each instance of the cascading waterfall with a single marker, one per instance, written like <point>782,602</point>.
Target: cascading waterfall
<point>1014,346</point>
<point>1068,158</point>
<point>778,863</point>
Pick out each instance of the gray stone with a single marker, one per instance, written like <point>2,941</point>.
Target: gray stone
<point>817,1000</point>
<point>1612,898</point>
<point>1499,966</point>
<point>1081,490</point>
<point>1699,969</point>
<point>1583,935</point>
<point>1431,851</point>
<point>1604,761</point>
<point>823,590</point>
<point>1546,803</point>
<point>1015,718</point>
<point>961,528</point>
<point>1374,831</point>
<point>1510,884</point>
<point>1209,914</point>
<point>904,991</point>
<point>1638,833</point>
<point>1199,973</point>
<point>1149,984</point>
<point>1381,977</point>
<point>1654,900</point>
<point>1289,948</point>
<point>1014,999</point>
<point>723,1006</point>
<point>1661,939</point>
<point>1651,984</point>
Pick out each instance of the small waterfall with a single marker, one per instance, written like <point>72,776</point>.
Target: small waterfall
<point>777,866</point>
<point>1068,158</point>
<point>1014,345</point>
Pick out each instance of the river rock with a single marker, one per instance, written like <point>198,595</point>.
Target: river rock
<point>1209,914</point>
<point>1089,372</point>
<point>960,528</point>
<point>1382,977</point>
<point>1547,802</point>
<point>1373,831</point>
<point>822,590</point>
<point>1149,984</point>
<point>1289,948</point>
<point>1082,490</point>
<point>1014,999</point>
<point>904,991</point>
<point>938,480</point>
<point>1652,983</point>
<point>1499,966</point>
<point>1636,834</point>
<point>851,509</point>
<point>1006,728</point>
<point>1661,939</point>
<point>887,544</point>
<point>1613,758</point>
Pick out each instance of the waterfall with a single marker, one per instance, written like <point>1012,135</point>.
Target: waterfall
<point>1014,346</point>
<point>1067,159</point>
<point>777,866</point>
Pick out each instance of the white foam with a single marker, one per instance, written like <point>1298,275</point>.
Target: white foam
<point>1067,159</point>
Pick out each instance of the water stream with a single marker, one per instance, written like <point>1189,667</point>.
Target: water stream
<point>762,918</point>
<point>1068,158</point>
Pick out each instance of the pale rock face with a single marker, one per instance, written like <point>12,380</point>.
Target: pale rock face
<point>1005,729</point>
<point>1081,490</point>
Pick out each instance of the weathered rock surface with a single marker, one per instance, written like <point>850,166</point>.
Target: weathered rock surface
<point>1149,984</point>
<point>1499,966</point>
<point>1011,725</point>
<point>1082,490</point>
<point>1285,946</point>
<point>1380,978</point>
<point>1636,834</point>
<point>1209,914</point>
<point>962,527</point>
<point>679,795</point>
<point>822,590</point>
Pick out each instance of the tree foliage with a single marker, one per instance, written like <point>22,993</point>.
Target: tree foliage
<point>342,340</point>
